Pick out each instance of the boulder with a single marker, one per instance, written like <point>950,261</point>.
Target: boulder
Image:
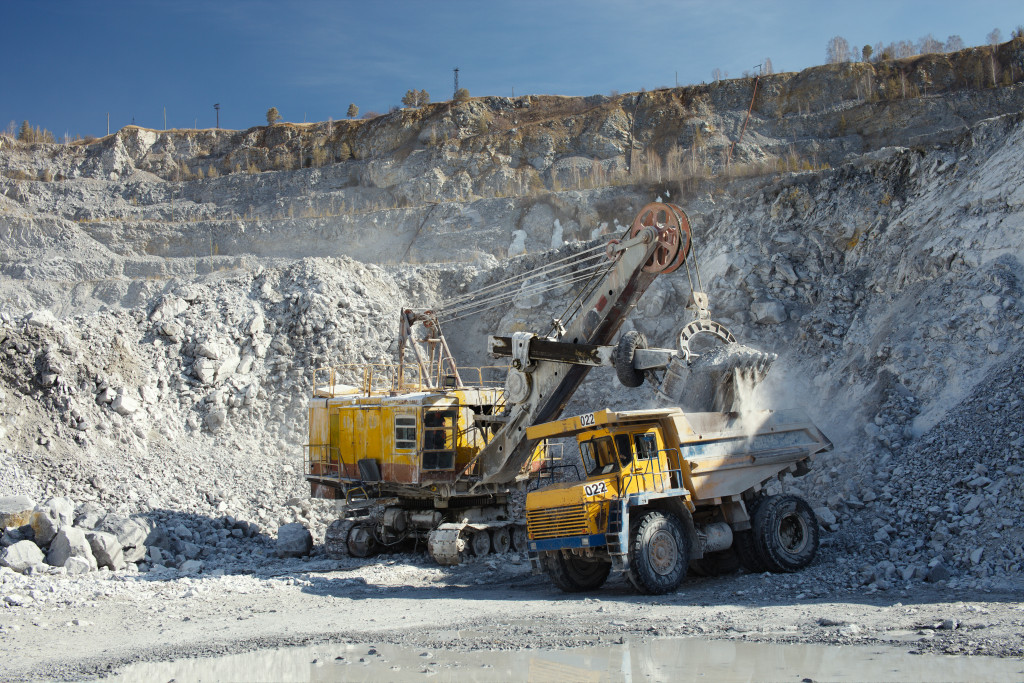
<point>15,510</point>
<point>63,508</point>
<point>294,540</point>
<point>21,555</point>
<point>190,567</point>
<point>768,312</point>
<point>130,534</point>
<point>17,533</point>
<point>78,565</point>
<point>70,542</point>
<point>124,404</point>
<point>89,515</point>
<point>216,418</point>
<point>106,549</point>
<point>45,525</point>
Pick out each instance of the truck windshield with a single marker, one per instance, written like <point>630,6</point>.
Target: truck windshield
<point>598,455</point>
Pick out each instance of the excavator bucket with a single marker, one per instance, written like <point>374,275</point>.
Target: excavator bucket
<point>718,381</point>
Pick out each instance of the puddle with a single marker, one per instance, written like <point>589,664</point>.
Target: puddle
<point>658,659</point>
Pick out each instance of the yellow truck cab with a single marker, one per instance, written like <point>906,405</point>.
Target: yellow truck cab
<point>660,491</point>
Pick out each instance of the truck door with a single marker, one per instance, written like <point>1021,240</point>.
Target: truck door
<point>648,468</point>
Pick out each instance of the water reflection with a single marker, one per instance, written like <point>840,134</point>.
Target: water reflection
<point>678,659</point>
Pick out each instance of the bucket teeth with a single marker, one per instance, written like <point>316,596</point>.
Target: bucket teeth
<point>717,381</point>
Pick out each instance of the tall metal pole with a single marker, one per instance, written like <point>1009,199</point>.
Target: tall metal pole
<point>456,70</point>
<point>217,107</point>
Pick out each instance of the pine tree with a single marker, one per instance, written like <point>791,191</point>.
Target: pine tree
<point>26,134</point>
<point>353,111</point>
<point>273,116</point>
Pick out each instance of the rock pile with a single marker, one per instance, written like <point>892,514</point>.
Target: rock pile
<point>55,537</point>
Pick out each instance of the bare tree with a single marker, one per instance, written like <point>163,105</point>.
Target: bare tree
<point>905,48</point>
<point>768,69</point>
<point>929,45</point>
<point>837,51</point>
<point>954,43</point>
<point>994,39</point>
<point>716,74</point>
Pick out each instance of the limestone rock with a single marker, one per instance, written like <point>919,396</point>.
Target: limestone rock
<point>106,549</point>
<point>124,404</point>
<point>294,540</point>
<point>768,312</point>
<point>15,510</point>
<point>190,567</point>
<point>130,534</point>
<point>63,508</point>
<point>45,526</point>
<point>21,556</point>
<point>216,418</point>
<point>70,542</point>
<point>89,515</point>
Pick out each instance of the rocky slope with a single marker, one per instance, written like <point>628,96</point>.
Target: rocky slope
<point>159,334</point>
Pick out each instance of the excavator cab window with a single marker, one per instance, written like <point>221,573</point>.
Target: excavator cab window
<point>439,439</point>
<point>598,455</point>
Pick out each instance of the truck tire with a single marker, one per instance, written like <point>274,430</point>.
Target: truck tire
<point>575,574</point>
<point>623,358</point>
<point>659,552</point>
<point>336,538</point>
<point>786,533</point>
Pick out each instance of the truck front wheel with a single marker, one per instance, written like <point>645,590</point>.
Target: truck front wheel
<point>659,553</point>
<point>574,574</point>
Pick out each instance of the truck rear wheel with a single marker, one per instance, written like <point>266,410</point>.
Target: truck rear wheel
<point>574,574</point>
<point>786,533</point>
<point>659,553</point>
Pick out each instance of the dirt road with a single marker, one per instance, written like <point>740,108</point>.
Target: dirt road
<point>79,627</point>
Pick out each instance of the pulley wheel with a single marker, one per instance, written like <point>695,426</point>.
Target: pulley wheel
<point>673,241</point>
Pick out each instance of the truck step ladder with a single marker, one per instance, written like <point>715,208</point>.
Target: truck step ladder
<point>617,536</point>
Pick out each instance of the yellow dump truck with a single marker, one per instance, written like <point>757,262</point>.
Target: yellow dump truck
<point>661,490</point>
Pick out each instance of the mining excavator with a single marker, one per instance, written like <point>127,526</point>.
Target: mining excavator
<point>430,451</point>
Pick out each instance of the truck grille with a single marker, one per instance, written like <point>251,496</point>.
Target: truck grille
<point>570,520</point>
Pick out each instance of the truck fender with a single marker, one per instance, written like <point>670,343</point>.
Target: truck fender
<point>677,507</point>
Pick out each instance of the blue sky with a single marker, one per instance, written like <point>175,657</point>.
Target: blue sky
<point>70,62</point>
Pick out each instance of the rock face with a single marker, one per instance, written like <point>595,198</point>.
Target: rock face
<point>71,542</point>
<point>15,510</point>
<point>293,540</point>
<point>21,555</point>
